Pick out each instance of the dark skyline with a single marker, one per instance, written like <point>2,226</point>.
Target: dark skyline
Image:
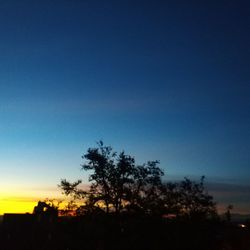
<point>163,80</point>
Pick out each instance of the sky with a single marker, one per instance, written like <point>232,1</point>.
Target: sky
<point>162,80</point>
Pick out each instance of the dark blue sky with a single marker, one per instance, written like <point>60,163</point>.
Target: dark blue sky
<point>166,80</point>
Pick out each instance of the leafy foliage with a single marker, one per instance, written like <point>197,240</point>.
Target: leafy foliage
<point>118,185</point>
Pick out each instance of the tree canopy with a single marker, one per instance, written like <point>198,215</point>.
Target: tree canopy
<point>118,185</point>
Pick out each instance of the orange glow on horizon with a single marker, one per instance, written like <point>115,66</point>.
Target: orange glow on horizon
<point>17,205</point>
<point>18,199</point>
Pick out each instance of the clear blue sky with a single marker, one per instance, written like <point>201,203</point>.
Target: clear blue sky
<point>165,80</point>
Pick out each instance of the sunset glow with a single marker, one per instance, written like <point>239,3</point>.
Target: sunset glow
<point>23,200</point>
<point>17,205</point>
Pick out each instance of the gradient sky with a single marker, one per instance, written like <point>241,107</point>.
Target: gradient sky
<point>165,80</point>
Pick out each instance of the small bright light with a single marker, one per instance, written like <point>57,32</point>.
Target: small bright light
<point>242,225</point>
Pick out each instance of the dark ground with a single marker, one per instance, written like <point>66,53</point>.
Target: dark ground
<point>99,233</point>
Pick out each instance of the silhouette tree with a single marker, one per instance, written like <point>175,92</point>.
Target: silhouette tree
<point>145,192</point>
<point>195,200</point>
<point>47,206</point>
<point>228,213</point>
<point>46,211</point>
<point>117,184</point>
<point>189,198</point>
<point>172,198</point>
